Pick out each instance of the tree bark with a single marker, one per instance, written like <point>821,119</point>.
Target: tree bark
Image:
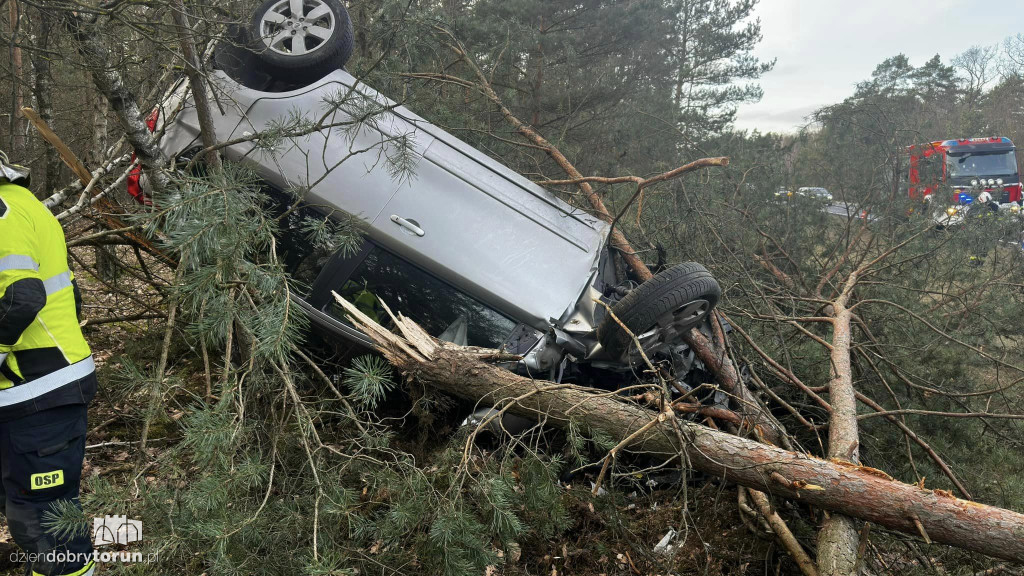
<point>839,539</point>
<point>538,81</point>
<point>107,266</point>
<point>108,214</point>
<point>17,125</point>
<point>111,85</point>
<point>42,90</point>
<point>362,42</point>
<point>833,485</point>
<point>98,142</point>
<point>195,80</point>
<point>713,354</point>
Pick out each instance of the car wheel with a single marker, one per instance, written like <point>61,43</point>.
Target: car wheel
<point>301,41</point>
<point>661,310</point>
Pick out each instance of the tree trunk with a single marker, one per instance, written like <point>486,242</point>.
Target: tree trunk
<point>107,266</point>
<point>838,539</point>
<point>42,90</point>
<point>538,81</point>
<point>361,25</point>
<point>682,68</point>
<point>111,85</point>
<point>833,485</point>
<point>95,156</point>
<point>195,80</point>
<point>715,356</point>
<point>17,125</point>
<point>778,525</point>
<point>108,210</point>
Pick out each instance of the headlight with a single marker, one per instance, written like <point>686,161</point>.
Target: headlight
<point>999,181</point>
<point>991,182</point>
<point>951,210</point>
<point>974,182</point>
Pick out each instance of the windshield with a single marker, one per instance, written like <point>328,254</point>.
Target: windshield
<point>981,164</point>
<point>385,279</point>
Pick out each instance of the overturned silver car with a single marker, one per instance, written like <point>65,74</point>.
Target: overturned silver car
<point>472,251</point>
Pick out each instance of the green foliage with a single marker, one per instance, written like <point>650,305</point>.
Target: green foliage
<point>218,224</point>
<point>576,443</point>
<point>456,545</point>
<point>542,498</point>
<point>333,234</point>
<point>369,379</point>
<point>65,520</point>
<point>500,491</point>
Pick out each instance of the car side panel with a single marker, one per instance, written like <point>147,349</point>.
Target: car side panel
<point>486,242</point>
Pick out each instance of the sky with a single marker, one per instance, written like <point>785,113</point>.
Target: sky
<point>824,47</point>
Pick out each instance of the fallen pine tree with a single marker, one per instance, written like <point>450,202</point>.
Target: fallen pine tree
<point>856,491</point>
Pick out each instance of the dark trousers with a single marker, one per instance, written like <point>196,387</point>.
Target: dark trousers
<point>41,457</point>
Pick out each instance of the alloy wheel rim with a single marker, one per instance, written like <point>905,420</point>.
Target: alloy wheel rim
<point>297,27</point>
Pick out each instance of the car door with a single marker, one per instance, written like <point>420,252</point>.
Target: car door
<point>470,222</point>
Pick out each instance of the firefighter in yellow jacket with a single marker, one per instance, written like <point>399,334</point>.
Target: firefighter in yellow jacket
<point>46,380</point>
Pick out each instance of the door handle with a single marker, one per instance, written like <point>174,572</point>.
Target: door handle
<point>411,226</point>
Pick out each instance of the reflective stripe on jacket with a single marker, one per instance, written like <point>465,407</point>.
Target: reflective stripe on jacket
<point>39,330</point>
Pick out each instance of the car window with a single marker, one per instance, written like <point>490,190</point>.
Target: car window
<point>439,308</point>
<point>302,257</point>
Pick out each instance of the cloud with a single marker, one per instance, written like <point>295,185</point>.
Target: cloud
<point>824,47</point>
<point>774,119</point>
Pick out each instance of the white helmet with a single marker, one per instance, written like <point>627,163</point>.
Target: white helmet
<point>13,173</point>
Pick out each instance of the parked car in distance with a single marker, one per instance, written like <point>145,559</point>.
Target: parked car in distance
<point>471,250</point>
<point>815,192</point>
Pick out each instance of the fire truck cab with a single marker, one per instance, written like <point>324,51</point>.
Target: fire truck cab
<point>969,170</point>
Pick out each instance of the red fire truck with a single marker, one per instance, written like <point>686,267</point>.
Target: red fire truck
<point>968,169</point>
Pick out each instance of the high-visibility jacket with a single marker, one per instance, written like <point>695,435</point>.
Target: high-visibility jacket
<point>44,359</point>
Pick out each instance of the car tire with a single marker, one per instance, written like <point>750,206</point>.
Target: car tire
<point>326,39</point>
<point>673,301</point>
